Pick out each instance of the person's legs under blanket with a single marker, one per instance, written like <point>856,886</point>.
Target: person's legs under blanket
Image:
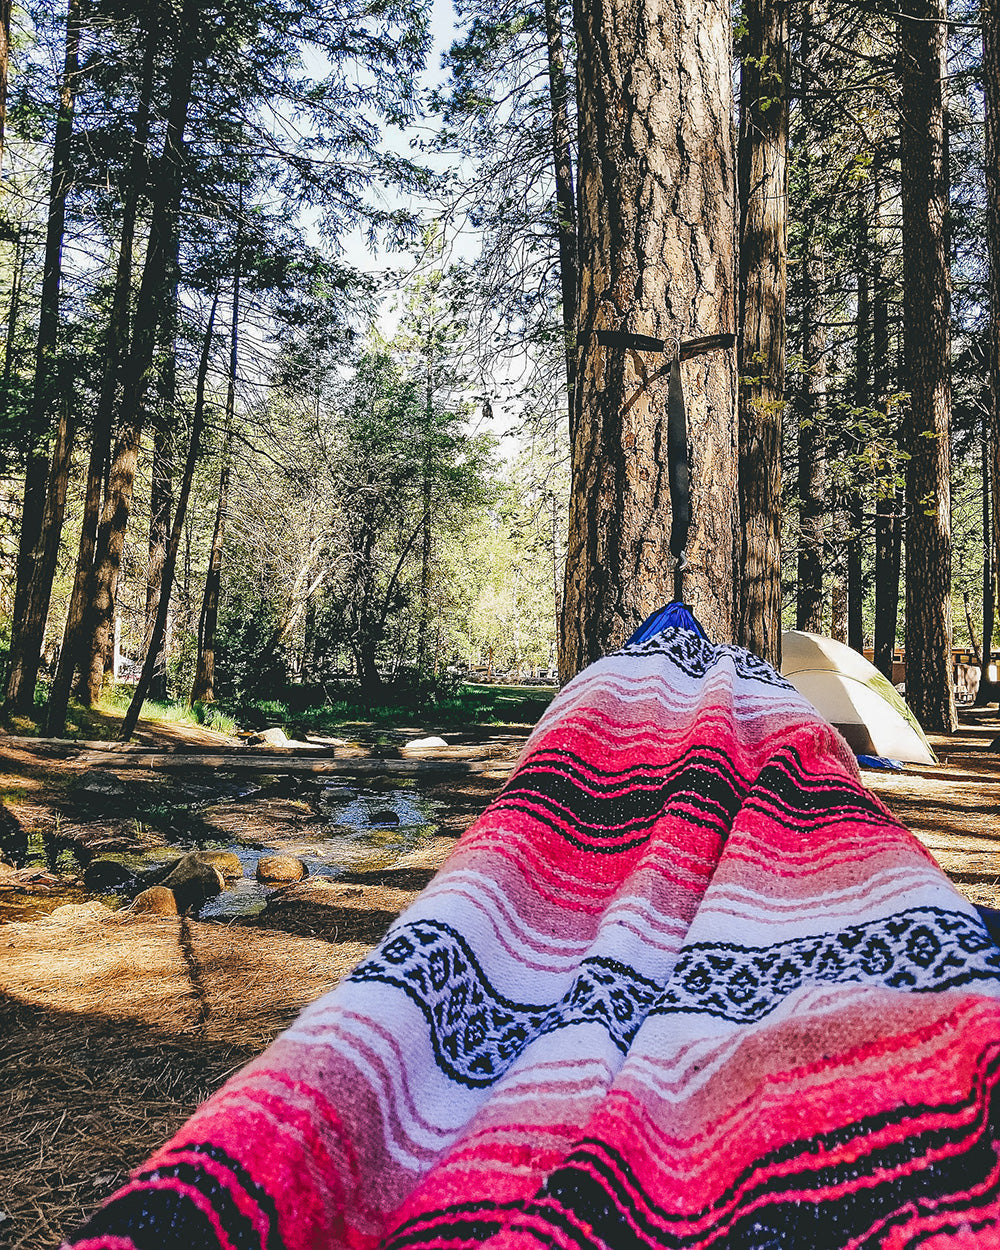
<point>685,983</point>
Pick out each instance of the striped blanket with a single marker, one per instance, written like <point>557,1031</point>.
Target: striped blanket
<point>686,983</point>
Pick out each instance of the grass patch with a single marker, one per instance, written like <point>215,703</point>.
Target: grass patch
<point>458,706</point>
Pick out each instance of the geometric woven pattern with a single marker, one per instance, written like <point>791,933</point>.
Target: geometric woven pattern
<point>686,983</point>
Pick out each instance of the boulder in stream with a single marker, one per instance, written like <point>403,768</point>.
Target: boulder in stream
<point>227,862</point>
<point>157,901</point>
<point>280,869</point>
<point>192,881</point>
<point>102,875</point>
<point>98,783</point>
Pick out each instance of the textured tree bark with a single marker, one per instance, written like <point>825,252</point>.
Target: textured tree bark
<point>44,494</point>
<point>562,163</point>
<point>158,281</point>
<point>762,165</point>
<point>926,347</point>
<point>657,256</point>
<point>990,11</point>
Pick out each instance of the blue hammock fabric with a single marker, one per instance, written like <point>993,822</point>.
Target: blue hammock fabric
<point>675,615</point>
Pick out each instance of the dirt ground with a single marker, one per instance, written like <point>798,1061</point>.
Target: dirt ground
<point>114,1026</point>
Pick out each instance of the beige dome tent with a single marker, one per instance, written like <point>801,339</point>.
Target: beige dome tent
<point>854,697</point>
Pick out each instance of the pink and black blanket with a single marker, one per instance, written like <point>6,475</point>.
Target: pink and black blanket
<point>686,983</point>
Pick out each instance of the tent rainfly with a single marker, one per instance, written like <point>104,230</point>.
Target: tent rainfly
<point>854,697</point>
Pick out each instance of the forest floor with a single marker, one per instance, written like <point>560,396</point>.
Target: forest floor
<point>115,1025</point>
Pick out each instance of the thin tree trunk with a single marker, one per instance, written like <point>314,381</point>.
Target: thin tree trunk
<point>14,308</point>
<point>170,559</point>
<point>151,311</point>
<point>888,505</point>
<point>5,13</point>
<point>812,449</point>
<point>763,183</point>
<point>862,400</point>
<point>926,308</point>
<point>44,497</point>
<point>115,344</point>
<point>203,688</point>
<point>657,227</point>
<point>990,11</point>
<point>425,551</point>
<point>984,693</point>
<point>562,163</point>
<point>161,501</point>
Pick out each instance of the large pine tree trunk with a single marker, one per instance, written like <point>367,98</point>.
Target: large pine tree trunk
<point>562,163</point>
<point>44,486</point>
<point>152,308</point>
<point>763,182</point>
<point>991,92</point>
<point>926,340</point>
<point>657,235</point>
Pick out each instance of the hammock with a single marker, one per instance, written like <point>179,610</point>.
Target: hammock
<point>686,983</point>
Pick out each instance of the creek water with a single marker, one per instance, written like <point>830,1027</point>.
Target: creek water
<point>335,829</point>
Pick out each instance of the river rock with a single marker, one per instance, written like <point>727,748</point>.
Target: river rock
<point>280,869</point>
<point>107,874</point>
<point>98,782</point>
<point>385,817</point>
<point>422,744</point>
<point>227,862</point>
<point>157,900</point>
<point>269,738</point>
<point>193,882</point>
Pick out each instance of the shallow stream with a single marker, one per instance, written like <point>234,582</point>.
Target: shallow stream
<point>335,829</point>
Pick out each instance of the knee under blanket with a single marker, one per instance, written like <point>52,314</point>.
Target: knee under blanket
<point>686,983</point>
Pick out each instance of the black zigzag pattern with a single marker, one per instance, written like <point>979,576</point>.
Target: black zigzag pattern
<point>694,656</point>
<point>923,949</point>
<point>476,1032</point>
<point>610,811</point>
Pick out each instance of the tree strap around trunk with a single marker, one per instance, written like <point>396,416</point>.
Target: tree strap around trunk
<point>677,450</point>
